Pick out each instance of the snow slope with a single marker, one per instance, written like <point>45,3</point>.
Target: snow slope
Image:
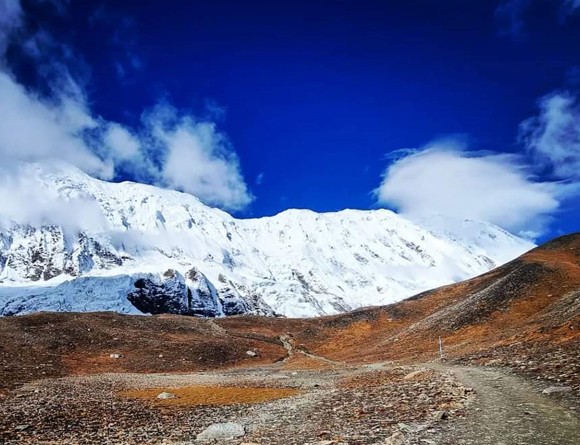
<point>82,243</point>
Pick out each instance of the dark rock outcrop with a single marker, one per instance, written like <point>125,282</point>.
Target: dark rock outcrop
<point>166,296</point>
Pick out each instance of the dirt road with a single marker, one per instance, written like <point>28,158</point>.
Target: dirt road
<point>509,410</point>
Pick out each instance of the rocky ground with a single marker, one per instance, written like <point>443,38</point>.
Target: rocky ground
<point>340,405</point>
<point>383,404</point>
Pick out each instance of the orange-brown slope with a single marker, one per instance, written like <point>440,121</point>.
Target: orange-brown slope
<point>59,344</point>
<point>533,298</point>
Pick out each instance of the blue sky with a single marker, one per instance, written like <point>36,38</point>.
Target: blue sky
<point>464,108</point>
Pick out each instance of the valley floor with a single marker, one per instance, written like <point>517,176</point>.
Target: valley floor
<point>300,400</point>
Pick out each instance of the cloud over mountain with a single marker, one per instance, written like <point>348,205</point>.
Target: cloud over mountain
<point>168,147</point>
<point>446,179</point>
<point>553,137</point>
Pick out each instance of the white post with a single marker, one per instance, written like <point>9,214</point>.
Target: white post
<point>440,349</point>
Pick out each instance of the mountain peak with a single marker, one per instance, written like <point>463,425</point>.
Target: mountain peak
<point>87,242</point>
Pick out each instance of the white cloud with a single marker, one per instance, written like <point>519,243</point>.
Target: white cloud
<point>444,179</point>
<point>122,143</point>
<point>33,129</point>
<point>167,149</point>
<point>553,137</point>
<point>198,160</point>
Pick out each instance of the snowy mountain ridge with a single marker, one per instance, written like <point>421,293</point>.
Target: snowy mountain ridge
<point>84,244</point>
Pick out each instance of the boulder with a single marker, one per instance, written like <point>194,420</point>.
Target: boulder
<point>221,431</point>
<point>556,389</point>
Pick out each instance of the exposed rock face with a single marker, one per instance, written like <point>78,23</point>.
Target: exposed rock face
<point>201,294</point>
<point>168,296</point>
<point>194,294</point>
<point>45,252</point>
<point>232,301</point>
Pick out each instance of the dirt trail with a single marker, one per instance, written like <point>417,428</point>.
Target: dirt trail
<point>509,410</point>
<point>292,352</point>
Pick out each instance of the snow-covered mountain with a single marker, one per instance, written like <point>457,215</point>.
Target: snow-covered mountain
<point>72,242</point>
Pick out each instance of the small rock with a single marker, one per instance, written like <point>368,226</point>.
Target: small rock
<point>251,353</point>
<point>115,355</point>
<point>221,431</point>
<point>556,389</point>
<point>166,395</point>
<point>160,356</point>
<point>410,429</point>
<point>440,415</point>
<point>413,374</point>
<point>396,439</point>
<point>21,427</point>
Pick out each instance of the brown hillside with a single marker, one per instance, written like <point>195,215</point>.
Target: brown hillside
<point>523,310</point>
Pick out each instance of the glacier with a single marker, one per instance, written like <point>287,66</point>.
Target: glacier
<point>82,244</point>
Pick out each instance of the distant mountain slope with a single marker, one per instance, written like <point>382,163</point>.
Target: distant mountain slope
<point>83,244</point>
<point>524,313</point>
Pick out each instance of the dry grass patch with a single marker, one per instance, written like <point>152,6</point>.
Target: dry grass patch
<point>211,395</point>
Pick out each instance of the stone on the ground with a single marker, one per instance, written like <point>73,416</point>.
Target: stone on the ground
<point>556,389</point>
<point>252,353</point>
<point>414,374</point>
<point>222,431</point>
<point>116,355</point>
<point>440,415</point>
<point>396,439</point>
<point>410,428</point>
<point>166,395</point>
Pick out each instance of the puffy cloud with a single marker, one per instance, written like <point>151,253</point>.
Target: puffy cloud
<point>198,163</point>
<point>444,179</point>
<point>553,137</point>
<point>121,142</point>
<point>55,121</point>
<point>198,158</point>
<point>33,128</point>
